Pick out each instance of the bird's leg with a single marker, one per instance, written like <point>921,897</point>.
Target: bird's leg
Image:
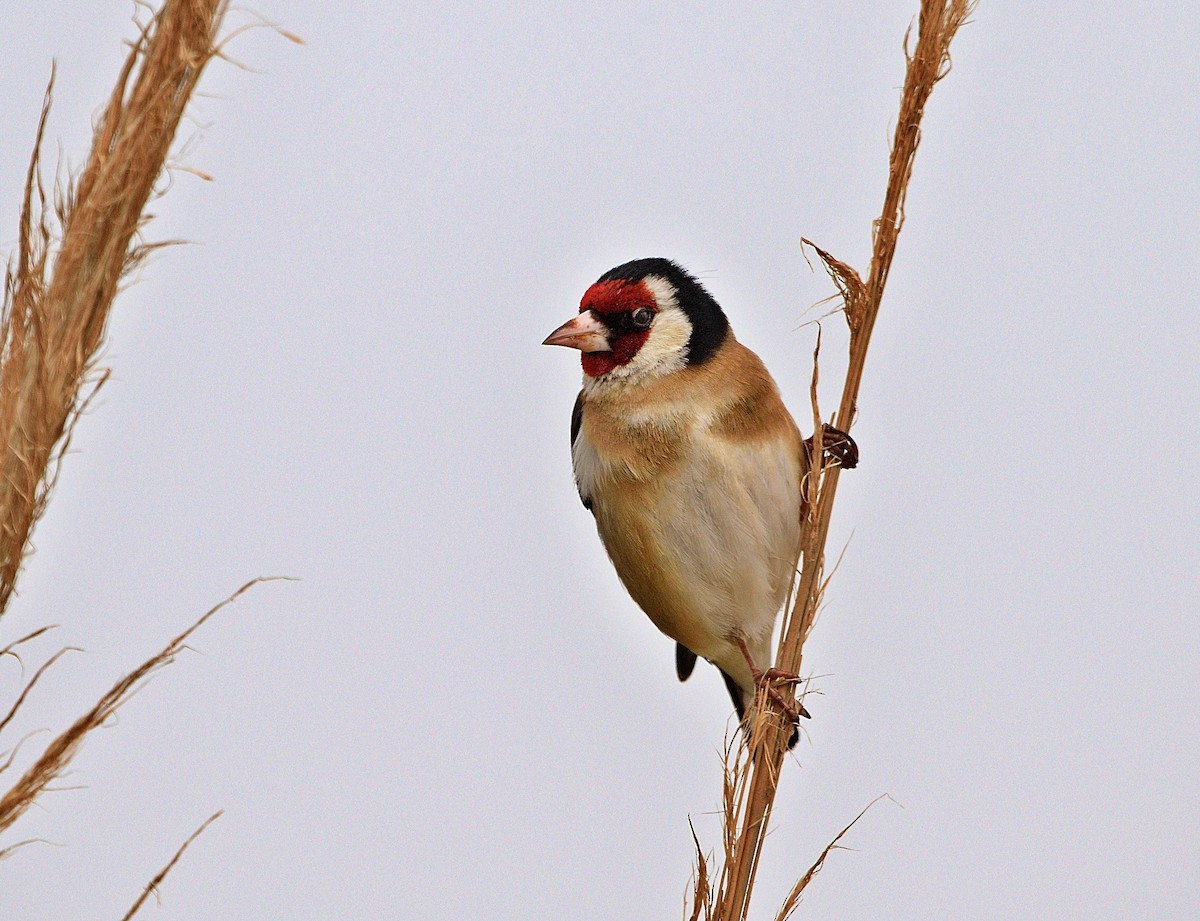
<point>768,679</point>
<point>839,447</point>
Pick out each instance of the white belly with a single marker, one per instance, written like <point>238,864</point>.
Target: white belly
<point>708,548</point>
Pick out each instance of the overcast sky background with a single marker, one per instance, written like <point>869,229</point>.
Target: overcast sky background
<point>457,712</point>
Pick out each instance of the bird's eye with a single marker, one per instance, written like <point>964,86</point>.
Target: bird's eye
<point>642,317</point>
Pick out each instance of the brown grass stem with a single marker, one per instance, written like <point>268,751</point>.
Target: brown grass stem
<point>759,764</point>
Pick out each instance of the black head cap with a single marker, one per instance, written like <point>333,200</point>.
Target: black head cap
<point>709,324</point>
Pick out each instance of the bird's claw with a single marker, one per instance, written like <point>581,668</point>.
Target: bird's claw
<point>769,679</point>
<point>776,676</point>
<point>838,446</point>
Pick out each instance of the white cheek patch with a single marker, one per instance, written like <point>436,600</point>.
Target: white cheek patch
<point>665,349</point>
<point>665,295</point>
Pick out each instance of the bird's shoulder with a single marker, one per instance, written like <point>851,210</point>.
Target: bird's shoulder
<point>750,408</point>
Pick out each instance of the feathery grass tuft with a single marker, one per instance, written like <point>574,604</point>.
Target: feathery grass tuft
<point>59,290</point>
<point>76,245</point>
<point>71,256</point>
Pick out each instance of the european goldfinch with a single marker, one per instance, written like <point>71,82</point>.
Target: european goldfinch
<point>691,464</point>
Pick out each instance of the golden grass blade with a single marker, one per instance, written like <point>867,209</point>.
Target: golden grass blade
<point>701,891</point>
<point>792,902</point>
<point>11,648</point>
<point>851,289</point>
<point>11,755</point>
<point>928,63</point>
<point>63,748</point>
<point>153,885</point>
<point>7,852</point>
<point>57,299</point>
<point>32,681</point>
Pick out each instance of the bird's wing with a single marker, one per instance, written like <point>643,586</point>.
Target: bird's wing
<point>576,425</point>
<point>576,418</point>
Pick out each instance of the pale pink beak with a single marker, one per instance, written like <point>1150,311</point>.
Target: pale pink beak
<point>583,332</point>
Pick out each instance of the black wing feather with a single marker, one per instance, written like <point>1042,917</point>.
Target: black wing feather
<point>576,425</point>
<point>576,418</point>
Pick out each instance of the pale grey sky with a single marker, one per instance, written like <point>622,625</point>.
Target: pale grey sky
<point>458,713</point>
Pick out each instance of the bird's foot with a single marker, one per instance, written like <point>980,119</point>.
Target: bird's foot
<point>838,446</point>
<point>769,680</point>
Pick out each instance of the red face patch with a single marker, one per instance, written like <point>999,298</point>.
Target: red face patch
<point>624,349</point>
<point>609,300</point>
<point>617,296</point>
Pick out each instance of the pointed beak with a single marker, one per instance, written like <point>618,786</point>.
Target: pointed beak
<point>583,332</point>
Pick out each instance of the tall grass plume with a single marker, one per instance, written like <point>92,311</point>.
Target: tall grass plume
<point>59,289</point>
<point>78,239</point>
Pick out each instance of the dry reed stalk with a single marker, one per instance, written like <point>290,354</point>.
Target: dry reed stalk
<point>57,299</point>
<point>752,773</point>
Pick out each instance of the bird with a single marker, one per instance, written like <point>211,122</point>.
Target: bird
<point>685,454</point>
